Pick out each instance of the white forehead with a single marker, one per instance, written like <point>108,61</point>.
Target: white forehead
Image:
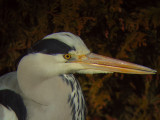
<point>71,40</point>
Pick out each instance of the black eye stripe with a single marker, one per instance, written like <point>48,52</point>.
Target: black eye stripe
<point>50,46</point>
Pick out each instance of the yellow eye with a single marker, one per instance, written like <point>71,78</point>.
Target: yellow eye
<point>67,56</point>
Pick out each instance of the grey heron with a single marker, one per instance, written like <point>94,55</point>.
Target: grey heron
<point>44,78</point>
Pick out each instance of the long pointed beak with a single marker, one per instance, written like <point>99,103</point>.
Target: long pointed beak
<point>106,64</point>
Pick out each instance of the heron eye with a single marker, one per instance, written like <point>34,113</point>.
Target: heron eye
<point>67,56</point>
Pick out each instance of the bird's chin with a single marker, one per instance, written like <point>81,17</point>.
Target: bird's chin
<point>92,71</point>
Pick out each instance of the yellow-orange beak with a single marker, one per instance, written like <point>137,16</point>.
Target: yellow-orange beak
<point>97,62</point>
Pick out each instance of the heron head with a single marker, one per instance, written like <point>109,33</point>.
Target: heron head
<point>66,53</point>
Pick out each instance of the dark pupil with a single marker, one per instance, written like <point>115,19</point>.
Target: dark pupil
<point>67,56</point>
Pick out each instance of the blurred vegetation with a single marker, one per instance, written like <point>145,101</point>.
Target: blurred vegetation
<point>124,29</point>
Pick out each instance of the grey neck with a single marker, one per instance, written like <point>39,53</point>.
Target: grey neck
<point>76,98</point>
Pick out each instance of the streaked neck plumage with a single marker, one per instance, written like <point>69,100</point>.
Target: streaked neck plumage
<point>75,99</point>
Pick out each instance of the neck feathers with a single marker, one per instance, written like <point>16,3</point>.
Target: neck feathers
<point>75,99</point>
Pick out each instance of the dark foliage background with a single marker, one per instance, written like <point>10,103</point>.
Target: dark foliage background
<point>124,29</point>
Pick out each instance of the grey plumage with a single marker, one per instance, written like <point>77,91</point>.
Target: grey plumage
<point>76,98</point>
